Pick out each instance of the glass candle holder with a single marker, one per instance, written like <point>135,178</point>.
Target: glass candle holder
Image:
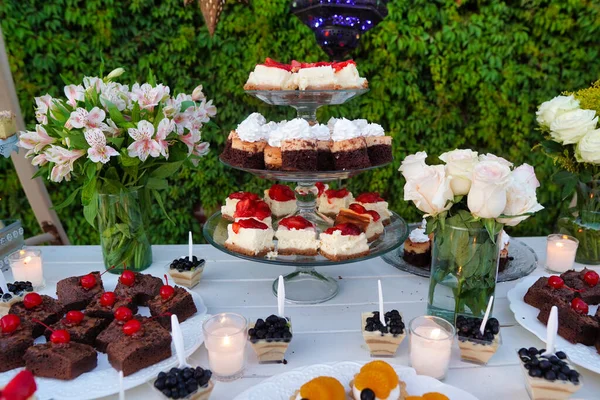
<point>431,340</point>
<point>560,252</point>
<point>26,265</point>
<point>225,338</point>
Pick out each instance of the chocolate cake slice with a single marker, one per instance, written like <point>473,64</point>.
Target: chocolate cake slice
<point>48,311</point>
<point>574,326</point>
<point>350,154</point>
<point>61,361</point>
<point>540,294</point>
<point>244,154</point>
<point>379,149</point>
<point>98,310</point>
<point>144,289</point>
<point>299,155</point>
<point>13,346</point>
<point>114,331</point>
<point>324,156</point>
<point>76,292</point>
<point>180,303</point>
<point>84,332</point>
<point>586,281</point>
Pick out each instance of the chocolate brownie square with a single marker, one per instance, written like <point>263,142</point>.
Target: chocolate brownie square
<point>574,279</point>
<point>144,289</point>
<point>14,345</point>
<point>84,332</point>
<point>61,361</point>
<point>49,312</point>
<point>97,310</point>
<point>114,331</point>
<point>540,294</point>
<point>573,326</point>
<point>180,304</point>
<point>140,350</point>
<point>73,296</point>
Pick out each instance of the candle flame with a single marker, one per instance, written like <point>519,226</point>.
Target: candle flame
<point>226,341</point>
<point>436,333</point>
<point>559,244</point>
<point>27,259</point>
<point>565,237</point>
<point>22,252</point>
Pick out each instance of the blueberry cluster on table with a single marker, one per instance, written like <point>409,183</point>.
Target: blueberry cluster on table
<point>273,329</point>
<point>184,264</point>
<point>179,383</point>
<point>551,368</point>
<point>393,323</point>
<point>468,329</point>
<point>16,289</point>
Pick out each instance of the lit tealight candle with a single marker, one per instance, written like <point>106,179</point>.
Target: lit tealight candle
<point>26,265</point>
<point>431,341</point>
<point>560,252</point>
<point>225,339</point>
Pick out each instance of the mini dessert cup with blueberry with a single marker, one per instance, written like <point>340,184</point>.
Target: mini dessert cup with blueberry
<point>549,377</point>
<point>270,338</point>
<point>476,347</point>
<point>185,272</point>
<point>16,291</point>
<point>185,383</point>
<point>383,341</point>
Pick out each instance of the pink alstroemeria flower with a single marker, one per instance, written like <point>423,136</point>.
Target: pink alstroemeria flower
<point>74,94</point>
<point>35,141</point>
<point>144,145</point>
<point>82,118</point>
<point>60,172</point>
<point>99,151</point>
<point>190,140</point>
<point>40,160</point>
<point>200,150</point>
<point>43,105</point>
<point>64,160</point>
<point>165,127</point>
<point>147,96</point>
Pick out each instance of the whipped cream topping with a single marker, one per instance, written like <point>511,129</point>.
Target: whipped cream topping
<point>361,123</point>
<point>277,134</point>
<point>251,129</point>
<point>344,129</point>
<point>331,123</point>
<point>418,236</point>
<point>320,132</point>
<point>373,130</point>
<point>394,394</point>
<point>297,128</point>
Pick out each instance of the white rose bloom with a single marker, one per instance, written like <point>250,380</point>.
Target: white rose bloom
<point>429,190</point>
<point>549,110</point>
<point>487,197</point>
<point>520,195</point>
<point>588,149</point>
<point>570,127</point>
<point>459,166</point>
<point>493,157</point>
<point>413,164</point>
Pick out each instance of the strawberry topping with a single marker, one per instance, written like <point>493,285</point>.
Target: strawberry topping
<point>249,223</point>
<point>369,198</point>
<point>357,208</point>
<point>320,187</point>
<point>347,229</point>
<point>296,65</point>
<point>281,193</point>
<point>296,222</point>
<point>341,65</point>
<point>252,208</point>
<point>243,195</point>
<point>269,62</point>
<point>21,387</point>
<point>336,194</point>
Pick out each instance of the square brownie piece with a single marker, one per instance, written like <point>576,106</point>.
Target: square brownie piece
<point>84,332</point>
<point>73,296</point>
<point>540,294</point>
<point>575,279</point>
<point>573,326</point>
<point>61,361</point>
<point>144,289</point>
<point>97,310</point>
<point>114,331</point>
<point>180,303</point>
<point>149,346</point>
<point>14,345</point>
<point>48,312</point>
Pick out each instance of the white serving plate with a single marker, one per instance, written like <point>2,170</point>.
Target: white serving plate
<point>104,380</point>
<point>284,385</point>
<point>526,315</point>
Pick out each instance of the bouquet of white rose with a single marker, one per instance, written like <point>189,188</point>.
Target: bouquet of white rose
<point>466,202</point>
<point>120,145</point>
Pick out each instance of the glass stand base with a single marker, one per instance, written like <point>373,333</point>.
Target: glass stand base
<point>307,286</point>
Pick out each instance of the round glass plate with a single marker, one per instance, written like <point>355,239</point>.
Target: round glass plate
<point>395,233</point>
<point>522,261</point>
<point>305,97</point>
<point>303,176</point>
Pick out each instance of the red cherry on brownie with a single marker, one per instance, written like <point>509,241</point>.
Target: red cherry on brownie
<point>127,278</point>
<point>357,208</point>
<point>281,193</point>
<point>108,299</point>
<point>296,222</point>
<point>60,337</point>
<point>32,300</point>
<point>556,282</point>
<point>580,306</point>
<point>74,317</point>
<point>167,291</point>
<point>9,323</point>
<point>591,278</point>
<point>132,327</point>
<point>123,314</point>
<point>346,229</point>
<point>337,194</point>
<point>369,198</point>
<point>88,281</point>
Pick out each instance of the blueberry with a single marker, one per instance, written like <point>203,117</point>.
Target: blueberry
<point>259,323</point>
<point>203,381</point>
<point>535,372</point>
<point>574,379</point>
<point>171,381</point>
<point>523,352</point>
<point>532,351</point>
<point>162,375</point>
<point>534,362</point>
<point>187,374</point>
<point>553,359</point>
<point>251,332</point>
<point>192,387</point>
<point>573,374</point>
<point>6,296</point>
<point>562,376</point>
<point>166,392</point>
<point>541,351</point>
<point>272,319</point>
<point>550,375</point>
<point>261,334</point>
<point>545,365</point>
<point>159,383</point>
<point>527,366</point>
<point>174,370</point>
<point>525,359</point>
<point>561,355</point>
<point>564,369</point>
<point>369,328</point>
<point>367,394</point>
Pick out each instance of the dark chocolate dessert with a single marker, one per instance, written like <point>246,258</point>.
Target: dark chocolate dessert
<point>114,330</point>
<point>63,361</point>
<point>15,339</point>
<point>172,300</point>
<point>103,305</point>
<point>243,154</point>
<point>350,154</point>
<point>39,307</point>
<point>586,281</point>
<point>548,291</point>
<point>82,328</point>
<point>299,155</point>
<point>76,292</point>
<point>324,156</point>
<point>140,287</point>
<point>379,149</point>
<point>574,323</point>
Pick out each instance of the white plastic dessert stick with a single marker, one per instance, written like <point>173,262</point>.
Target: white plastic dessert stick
<point>551,331</point>
<point>486,316</point>
<point>281,297</point>
<point>121,387</point>
<point>381,315</point>
<point>190,245</point>
<point>3,284</point>
<point>178,341</point>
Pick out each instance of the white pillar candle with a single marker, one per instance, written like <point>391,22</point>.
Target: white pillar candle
<point>431,340</point>
<point>26,265</point>
<point>560,252</point>
<point>225,336</point>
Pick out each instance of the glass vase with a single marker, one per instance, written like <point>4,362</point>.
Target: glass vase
<point>463,271</point>
<point>583,222</point>
<point>122,227</point>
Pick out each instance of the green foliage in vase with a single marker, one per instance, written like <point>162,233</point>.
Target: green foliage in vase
<point>443,75</point>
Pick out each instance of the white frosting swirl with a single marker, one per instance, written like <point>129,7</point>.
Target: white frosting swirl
<point>250,130</point>
<point>418,236</point>
<point>297,128</point>
<point>373,130</point>
<point>344,129</point>
<point>320,132</point>
<point>331,123</point>
<point>361,123</point>
<point>277,134</point>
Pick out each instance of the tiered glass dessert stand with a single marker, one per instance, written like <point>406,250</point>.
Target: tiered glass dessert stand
<point>305,285</point>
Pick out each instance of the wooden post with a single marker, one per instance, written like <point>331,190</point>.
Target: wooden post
<point>34,188</point>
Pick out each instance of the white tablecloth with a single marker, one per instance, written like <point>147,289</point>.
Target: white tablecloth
<point>330,331</point>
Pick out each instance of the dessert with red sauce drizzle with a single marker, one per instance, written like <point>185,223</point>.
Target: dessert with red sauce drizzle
<point>332,201</point>
<point>250,237</point>
<point>373,201</point>
<point>172,300</point>
<point>76,292</point>
<point>81,327</point>
<point>281,200</point>
<point>105,304</point>
<point>368,221</point>
<point>228,209</point>
<point>256,209</point>
<point>586,281</point>
<point>343,242</point>
<point>39,307</point>
<point>296,235</point>
<point>141,288</point>
<point>15,339</point>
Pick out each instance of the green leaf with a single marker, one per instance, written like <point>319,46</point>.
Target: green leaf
<point>161,204</point>
<point>157,184</point>
<point>128,161</point>
<point>115,114</point>
<point>90,170</point>
<point>115,141</point>
<point>89,192</point>
<point>550,146</point>
<point>166,170</point>
<point>68,201</point>
<point>186,104</point>
<point>91,210</point>
<point>151,78</point>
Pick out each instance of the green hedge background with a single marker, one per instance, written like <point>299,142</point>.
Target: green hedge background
<point>443,74</point>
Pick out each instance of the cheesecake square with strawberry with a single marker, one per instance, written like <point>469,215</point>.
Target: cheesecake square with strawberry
<point>257,209</point>
<point>373,201</point>
<point>296,235</point>
<point>232,200</point>
<point>368,221</point>
<point>271,75</point>
<point>281,200</point>
<point>250,237</point>
<point>332,201</point>
<point>321,188</point>
<point>343,242</point>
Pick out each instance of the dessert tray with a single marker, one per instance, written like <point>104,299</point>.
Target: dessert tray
<point>283,386</point>
<point>526,316</point>
<point>104,379</point>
